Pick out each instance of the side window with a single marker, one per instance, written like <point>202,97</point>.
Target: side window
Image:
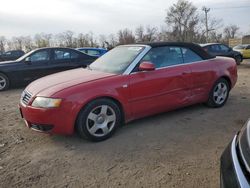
<point>190,56</point>
<point>164,56</point>
<point>224,48</point>
<point>40,56</point>
<point>61,54</point>
<point>74,55</point>
<point>214,48</point>
<point>65,54</point>
<point>93,52</point>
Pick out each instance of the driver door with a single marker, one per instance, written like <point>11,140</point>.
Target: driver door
<point>165,88</point>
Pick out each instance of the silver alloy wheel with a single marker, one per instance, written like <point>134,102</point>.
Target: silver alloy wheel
<point>220,93</point>
<point>101,120</point>
<point>3,82</point>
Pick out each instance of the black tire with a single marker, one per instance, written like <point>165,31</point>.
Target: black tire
<point>214,101</point>
<point>84,123</point>
<point>238,59</point>
<point>4,82</point>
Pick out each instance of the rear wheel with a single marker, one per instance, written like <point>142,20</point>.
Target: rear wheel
<point>4,82</point>
<point>98,120</point>
<point>238,59</point>
<point>219,94</point>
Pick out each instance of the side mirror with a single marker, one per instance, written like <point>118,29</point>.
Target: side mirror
<point>146,66</point>
<point>27,60</point>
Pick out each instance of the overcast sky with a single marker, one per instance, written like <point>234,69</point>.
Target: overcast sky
<point>27,17</point>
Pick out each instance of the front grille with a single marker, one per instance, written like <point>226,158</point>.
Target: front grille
<point>26,96</point>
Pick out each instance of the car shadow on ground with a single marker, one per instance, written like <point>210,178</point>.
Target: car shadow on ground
<point>156,124</point>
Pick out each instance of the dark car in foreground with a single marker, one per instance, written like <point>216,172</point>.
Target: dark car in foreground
<point>11,55</point>
<point>127,83</point>
<point>218,49</point>
<point>39,63</point>
<point>235,161</point>
<point>93,51</point>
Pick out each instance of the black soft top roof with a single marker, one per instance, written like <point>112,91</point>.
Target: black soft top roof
<point>194,47</point>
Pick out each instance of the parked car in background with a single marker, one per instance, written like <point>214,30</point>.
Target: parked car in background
<point>127,83</point>
<point>93,51</point>
<point>39,63</point>
<point>235,161</point>
<point>218,49</point>
<point>244,49</point>
<point>11,55</point>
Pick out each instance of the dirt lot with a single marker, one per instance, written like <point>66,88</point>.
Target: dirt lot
<point>175,149</point>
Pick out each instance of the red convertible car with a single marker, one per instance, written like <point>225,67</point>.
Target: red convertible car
<point>127,83</point>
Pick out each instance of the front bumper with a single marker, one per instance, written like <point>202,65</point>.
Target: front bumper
<point>232,175</point>
<point>52,121</point>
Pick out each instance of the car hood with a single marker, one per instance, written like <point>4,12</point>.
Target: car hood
<point>49,85</point>
<point>236,52</point>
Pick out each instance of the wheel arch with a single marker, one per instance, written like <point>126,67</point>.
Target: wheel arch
<point>228,80</point>
<point>5,73</point>
<point>118,102</point>
<point>8,76</point>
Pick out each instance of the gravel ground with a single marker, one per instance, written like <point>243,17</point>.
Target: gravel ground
<point>181,148</point>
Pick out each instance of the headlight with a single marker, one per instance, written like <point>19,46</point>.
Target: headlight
<point>43,102</point>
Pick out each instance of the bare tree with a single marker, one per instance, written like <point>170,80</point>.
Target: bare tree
<point>183,18</point>
<point>230,31</point>
<point>163,34</point>
<point>2,43</point>
<point>103,41</point>
<point>111,42</point>
<point>140,33</point>
<point>92,39</point>
<point>216,37</point>
<point>82,40</point>
<point>43,40</point>
<point>16,43</point>
<point>66,39</point>
<point>28,43</point>
<point>126,36</point>
<point>86,40</point>
<point>149,34</point>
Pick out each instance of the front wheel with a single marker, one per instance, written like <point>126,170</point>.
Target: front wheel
<point>98,120</point>
<point>238,59</point>
<point>219,94</point>
<point>4,82</point>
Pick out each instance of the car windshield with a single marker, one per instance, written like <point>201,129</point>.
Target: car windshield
<point>117,60</point>
<point>240,47</point>
<point>25,55</point>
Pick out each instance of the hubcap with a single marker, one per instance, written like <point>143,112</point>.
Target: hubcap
<point>2,82</point>
<point>101,120</point>
<point>220,93</point>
